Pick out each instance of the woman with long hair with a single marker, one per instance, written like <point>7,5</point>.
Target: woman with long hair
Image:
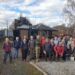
<point>7,50</point>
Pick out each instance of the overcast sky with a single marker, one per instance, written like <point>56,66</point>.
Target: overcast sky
<point>49,12</point>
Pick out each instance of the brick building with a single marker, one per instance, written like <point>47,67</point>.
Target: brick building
<point>22,26</point>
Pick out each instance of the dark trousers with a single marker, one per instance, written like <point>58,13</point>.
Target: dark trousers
<point>66,51</point>
<point>6,54</point>
<point>59,58</point>
<point>41,52</point>
<point>24,54</point>
<point>48,55</point>
<point>64,55</point>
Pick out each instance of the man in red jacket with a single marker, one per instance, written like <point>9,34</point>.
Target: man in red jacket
<point>59,50</point>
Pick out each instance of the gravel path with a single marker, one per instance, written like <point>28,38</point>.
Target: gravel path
<point>58,68</point>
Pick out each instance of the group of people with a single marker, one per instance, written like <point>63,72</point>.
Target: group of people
<point>56,48</point>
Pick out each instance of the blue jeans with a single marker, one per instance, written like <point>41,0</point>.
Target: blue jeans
<point>6,55</point>
<point>16,53</point>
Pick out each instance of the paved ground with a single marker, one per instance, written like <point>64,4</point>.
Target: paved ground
<point>58,68</point>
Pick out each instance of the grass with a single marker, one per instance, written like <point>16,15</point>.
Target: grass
<point>18,67</point>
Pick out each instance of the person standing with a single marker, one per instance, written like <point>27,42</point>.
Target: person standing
<point>32,47</point>
<point>52,44</point>
<point>47,49</point>
<point>7,50</point>
<point>37,48</point>
<point>70,46</point>
<point>74,47</point>
<point>42,45</point>
<point>24,48</point>
<point>59,50</point>
<point>16,45</point>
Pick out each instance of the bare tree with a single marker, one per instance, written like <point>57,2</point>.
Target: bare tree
<point>69,12</point>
